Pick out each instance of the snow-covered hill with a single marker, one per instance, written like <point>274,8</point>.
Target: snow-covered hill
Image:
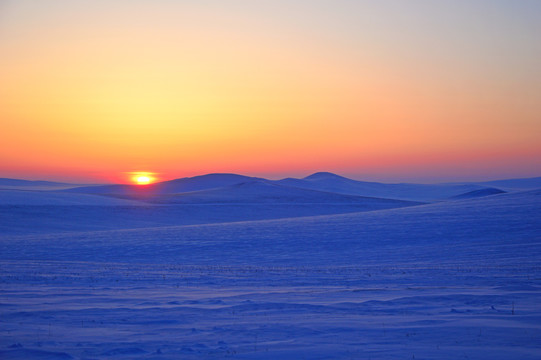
<point>478,193</point>
<point>18,184</point>
<point>515,184</point>
<point>27,212</point>
<point>39,197</point>
<point>416,192</point>
<point>196,183</point>
<point>322,181</point>
<point>346,239</point>
<point>264,191</point>
<point>436,281</point>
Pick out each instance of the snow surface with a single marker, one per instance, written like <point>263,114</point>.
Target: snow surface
<point>322,181</point>
<point>20,220</point>
<point>417,192</point>
<point>263,191</point>
<point>18,184</point>
<point>139,207</point>
<point>527,183</point>
<point>449,280</point>
<point>478,193</point>
<point>30,183</point>
<point>38,197</point>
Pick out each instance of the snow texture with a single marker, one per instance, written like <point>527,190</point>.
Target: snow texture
<point>265,280</point>
<point>322,181</point>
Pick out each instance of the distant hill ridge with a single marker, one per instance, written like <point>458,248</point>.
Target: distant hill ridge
<point>325,175</point>
<point>479,193</point>
<point>526,183</point>
<point>320,181</point>
<point>20,182</point>
<point>188,184</point>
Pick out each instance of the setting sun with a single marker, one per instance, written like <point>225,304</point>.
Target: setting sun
<point>143,180</point>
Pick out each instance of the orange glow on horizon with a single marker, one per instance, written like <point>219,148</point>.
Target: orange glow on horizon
<point>94,91</point>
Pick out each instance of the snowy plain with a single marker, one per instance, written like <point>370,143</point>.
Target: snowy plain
<point>259,279</point>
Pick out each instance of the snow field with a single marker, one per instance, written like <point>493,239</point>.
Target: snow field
<point>450,280</point>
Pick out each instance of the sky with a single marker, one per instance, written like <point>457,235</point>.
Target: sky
<point>95,91</point>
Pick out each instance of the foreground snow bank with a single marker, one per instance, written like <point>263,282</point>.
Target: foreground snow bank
<point>442,281</point>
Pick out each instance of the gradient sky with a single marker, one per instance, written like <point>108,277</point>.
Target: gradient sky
<point>378,90</point>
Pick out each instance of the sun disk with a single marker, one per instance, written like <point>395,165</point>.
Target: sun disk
<point>143,180</point>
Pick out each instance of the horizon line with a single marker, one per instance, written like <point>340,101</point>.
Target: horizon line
<point>355,178</point>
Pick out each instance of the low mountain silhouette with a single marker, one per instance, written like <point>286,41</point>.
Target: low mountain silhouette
<point>324,181</point>
<point>320,181</point>
<point>478,193</point>
<point>201,182</point>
